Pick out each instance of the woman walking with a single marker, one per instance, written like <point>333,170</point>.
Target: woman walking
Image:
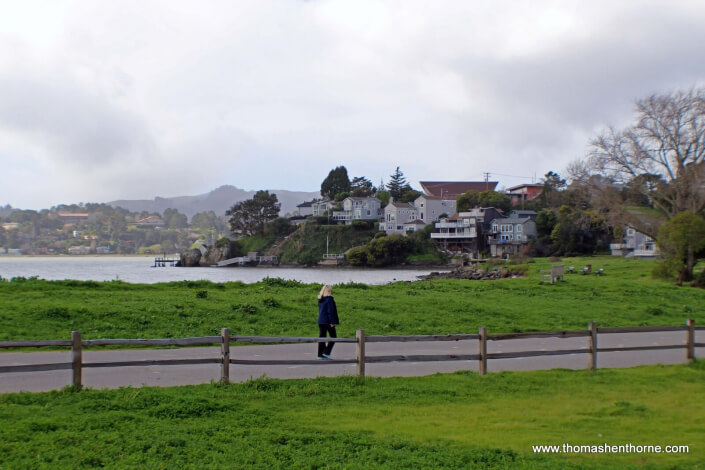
<point>327,319</point>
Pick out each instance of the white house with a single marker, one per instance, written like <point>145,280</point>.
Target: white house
<point>359,208</point>
<point>321,208</point>
<point>396,214</point>
<point>305,208</point>
<point>635,244</point>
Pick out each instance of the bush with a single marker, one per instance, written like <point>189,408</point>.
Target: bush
<point>357,256</point>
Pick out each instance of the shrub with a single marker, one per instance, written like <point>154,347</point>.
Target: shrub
<point>270,302</point>
<point>202,294</point>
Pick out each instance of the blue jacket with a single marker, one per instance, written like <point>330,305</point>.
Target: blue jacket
<point>327,311</point>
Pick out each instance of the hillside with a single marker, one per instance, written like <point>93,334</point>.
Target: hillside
<point>308,243</point>
<point>219,200</point>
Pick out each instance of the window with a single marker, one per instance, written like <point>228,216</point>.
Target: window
<point>422,212</point>
<point>519,228</point>
<point>630,232</point>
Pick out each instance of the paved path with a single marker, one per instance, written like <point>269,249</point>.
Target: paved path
<point>204,373</point>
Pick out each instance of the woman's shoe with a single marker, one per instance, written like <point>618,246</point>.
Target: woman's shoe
<point>327,356</point>
<point>322,358</point>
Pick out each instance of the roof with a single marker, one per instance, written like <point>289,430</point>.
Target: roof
<point>525,185</point>
<point>402,205</point>
<point>454,189</point>
<point>415,222</point>
<point>305,204</point>
<point>509,220</point>
<point>357,198</point>
<point>73,214</point>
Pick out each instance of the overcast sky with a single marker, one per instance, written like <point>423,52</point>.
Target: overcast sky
<point>136,99</point>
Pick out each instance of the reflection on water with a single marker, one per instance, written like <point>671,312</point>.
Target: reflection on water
<point>139,270</point>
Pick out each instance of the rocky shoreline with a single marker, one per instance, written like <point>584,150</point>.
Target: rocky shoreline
<point>476,273</point>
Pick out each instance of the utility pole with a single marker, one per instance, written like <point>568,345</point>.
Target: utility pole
<point>487,181</point>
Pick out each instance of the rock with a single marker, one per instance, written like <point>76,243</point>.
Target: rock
<point>218,252</point>
<point>190,258</point>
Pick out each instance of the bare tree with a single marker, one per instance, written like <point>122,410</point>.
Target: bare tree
<point>664,148</point>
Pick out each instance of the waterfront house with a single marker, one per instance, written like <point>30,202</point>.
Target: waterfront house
<point>510,235</point>
<point>396,214</point>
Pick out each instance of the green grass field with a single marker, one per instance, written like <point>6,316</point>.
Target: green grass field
<point>626,295</point>
<point>459,420</point>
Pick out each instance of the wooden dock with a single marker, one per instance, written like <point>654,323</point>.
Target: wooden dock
<point>166,261</point>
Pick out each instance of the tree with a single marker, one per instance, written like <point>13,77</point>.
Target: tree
<point>174,219</point>
<point>410,195</point>
<point>680,239</point>
<point>667,141</point>
<point>205,220</point>
<point>249,216</point>
<point>471,199</point>
<point>552,185</point>
<point>397,185</point>
<point>361,187</point>
<point>336,182</point>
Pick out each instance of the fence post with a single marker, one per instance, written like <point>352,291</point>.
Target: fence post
<point>225,355</point>
<point>76,359</point>
<point>360,335</point>
<point>592,344</point>
<point>482,342</point>
<point>690,340</point>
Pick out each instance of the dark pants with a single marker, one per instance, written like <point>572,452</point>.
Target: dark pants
<point>324,348</point>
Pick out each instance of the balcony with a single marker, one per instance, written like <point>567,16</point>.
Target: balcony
<point>454,235</point>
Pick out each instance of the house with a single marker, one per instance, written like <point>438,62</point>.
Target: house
<point>151,221</point>
<point>305,208</point>
<point>453,189</point>
<point>510,235</point>
<point>457,233</point>
<point>103,250</point>
<point>431,208</point>
<point>72,217</point>
<point>524,192</point>
<point>466,231</point>
<point>358,208</point>
<point>396,214</point>
<point>11,226</point>
<point>522,214</point>
<point>79,250</point>
<point>634,244</point>
<point>322,208</point>
<point>413,226</point>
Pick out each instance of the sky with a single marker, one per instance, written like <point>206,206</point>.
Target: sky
<point>135,99</point>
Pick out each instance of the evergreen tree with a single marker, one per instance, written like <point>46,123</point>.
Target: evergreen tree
<point>397,185</point>
<point>361,187</point>
<point>336,182</point>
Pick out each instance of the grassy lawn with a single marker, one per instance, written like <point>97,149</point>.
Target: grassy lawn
<point>459,420</point>
<point>625,295</point>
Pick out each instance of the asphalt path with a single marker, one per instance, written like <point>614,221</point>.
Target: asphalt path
<point>173,375</point>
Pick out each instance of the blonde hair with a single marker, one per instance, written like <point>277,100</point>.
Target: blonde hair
<point>326,291</point>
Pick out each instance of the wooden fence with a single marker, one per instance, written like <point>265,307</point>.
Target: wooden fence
<point>360,339</point>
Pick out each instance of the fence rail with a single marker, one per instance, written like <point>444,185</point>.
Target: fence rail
<point>361,358</point>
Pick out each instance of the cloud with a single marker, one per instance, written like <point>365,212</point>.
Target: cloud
<point>101,101</point>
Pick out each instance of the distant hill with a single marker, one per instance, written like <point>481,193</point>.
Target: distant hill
<point>219,200</point>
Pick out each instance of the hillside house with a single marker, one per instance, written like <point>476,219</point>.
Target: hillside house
<point>322,208</point>
<point>635,244</point>
<point>466,231</point>
<point>524,192</point>
<point>305,209</point>
<point>359,208</point>
<point>396,214</point>
<point>431,208</point>
<point>510,235</point>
